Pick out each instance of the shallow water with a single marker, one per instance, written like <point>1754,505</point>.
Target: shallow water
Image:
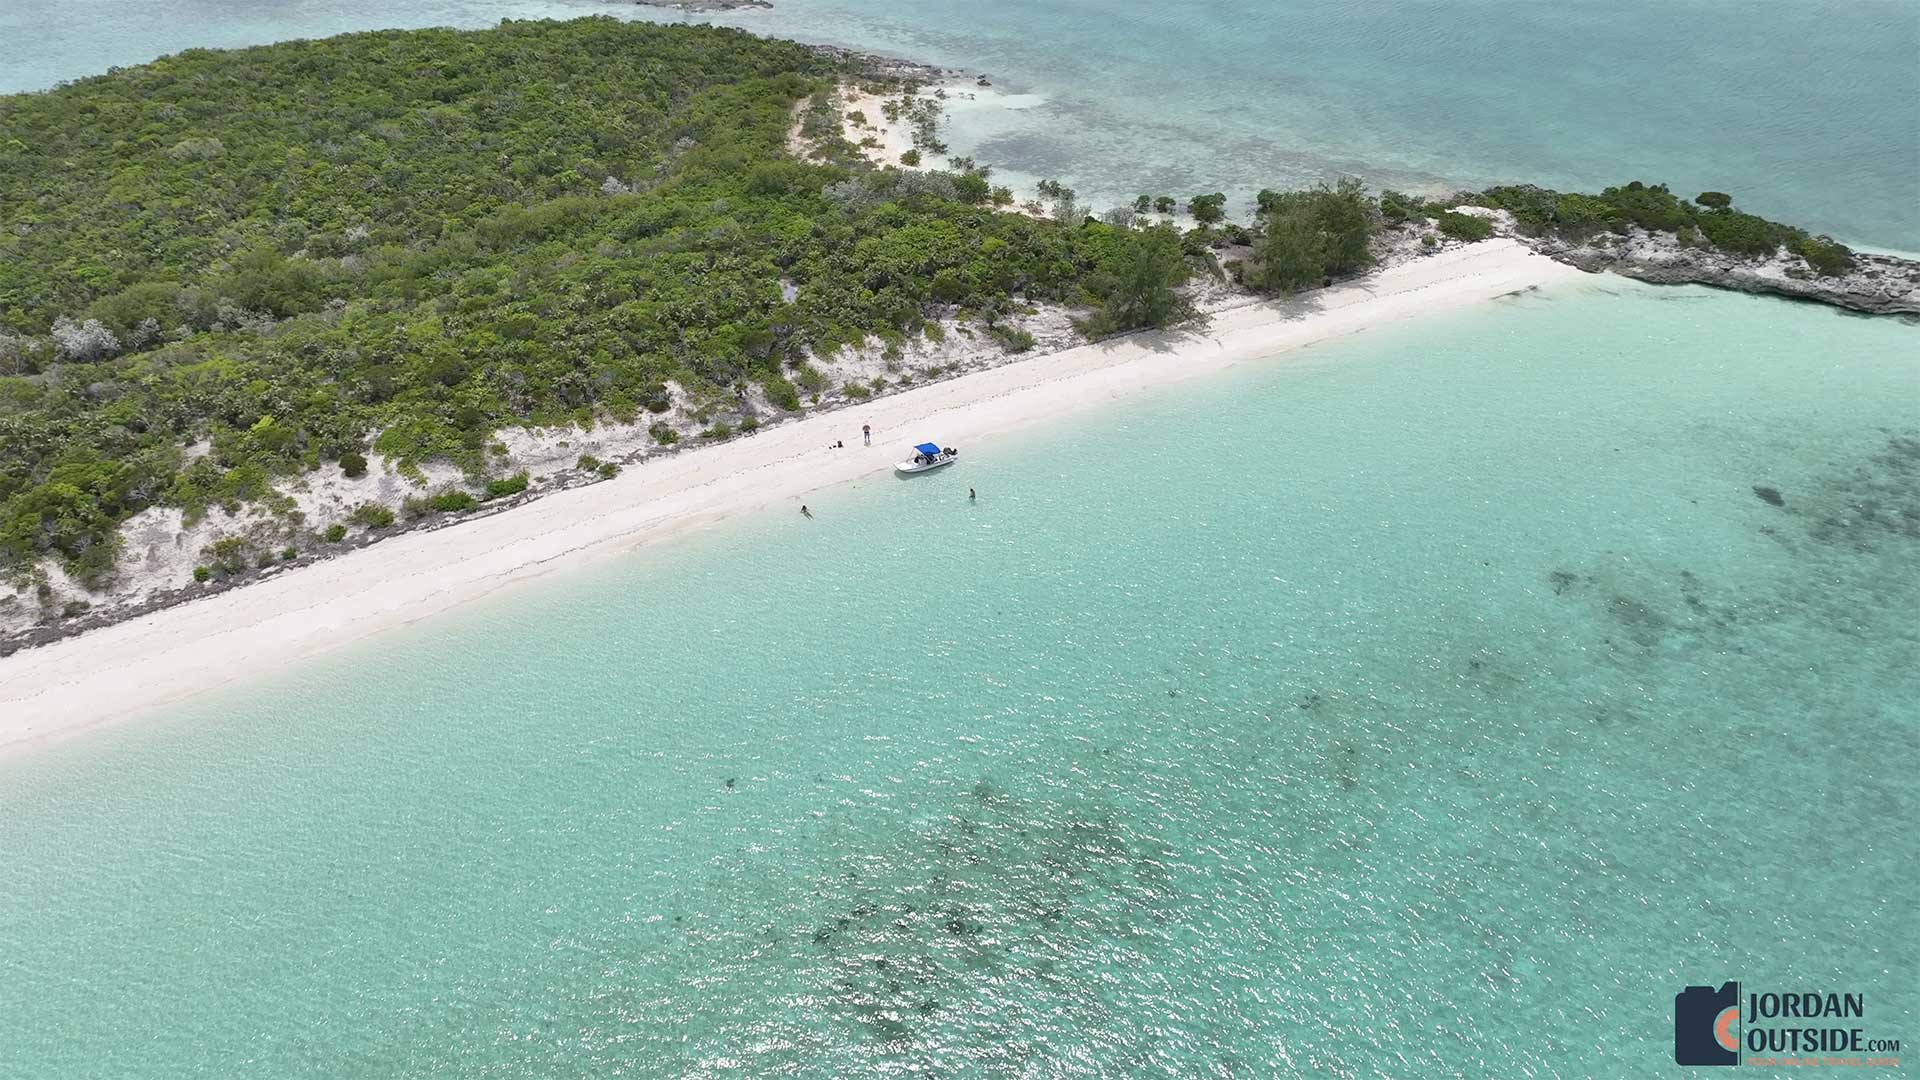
<point>1437,702</point>
<point>1807,112</point>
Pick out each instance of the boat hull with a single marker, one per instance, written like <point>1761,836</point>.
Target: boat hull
<point>910,468</point>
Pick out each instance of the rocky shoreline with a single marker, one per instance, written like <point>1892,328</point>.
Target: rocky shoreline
<point>1877,285</point>
<point>893,68</point>
<point>699,6</point>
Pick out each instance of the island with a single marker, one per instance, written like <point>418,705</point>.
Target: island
<point>262,307</point>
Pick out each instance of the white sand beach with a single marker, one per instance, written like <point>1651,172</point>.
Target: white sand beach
<point>117,672</point>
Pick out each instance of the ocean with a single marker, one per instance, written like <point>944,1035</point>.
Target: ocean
<point>1805,112</point>
<point>1435,702</point>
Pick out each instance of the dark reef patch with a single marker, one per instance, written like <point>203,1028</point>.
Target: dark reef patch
<point>1770,496</point>
<point>1873,503</point>
<point>1000,900</point>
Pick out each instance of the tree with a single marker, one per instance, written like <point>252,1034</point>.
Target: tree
<point>1344,217</point>
<point>1323,230</point>
<point>1164,204</point>
<point>1146,273</point>
<point>1291,256</point>
<point>1713,200</point>
<point>1208,209</point>
<point>1142,204</point>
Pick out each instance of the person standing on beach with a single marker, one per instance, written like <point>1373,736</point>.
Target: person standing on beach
<point>866,432</point>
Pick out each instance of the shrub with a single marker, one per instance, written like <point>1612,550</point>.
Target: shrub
<point>910,159</point>
<point>203,573</point>
<point>1826,255</point>
<point>972,188</point>
<point>1397,206</point>
<point>336,533</point>
<point>1714,200</point>
<point>1013,338</point>
<point>353,465</point>
<point>812,380</point>
<point>781,393</point>
<point>587,462</point>
<point>371,516</point>
<point>289,553</point>
<point>1208,209</point>
<point>453,501</point>
<point>227,555</point>
<point>856,391</point>
<point>749,425</point>
<point>609,469</point>
<point>718,431</point>
<point>504,486</point>
<point>1742,234</point>
<point>663,434</point>
<point>1428,241</point>
<point>1465,226</point>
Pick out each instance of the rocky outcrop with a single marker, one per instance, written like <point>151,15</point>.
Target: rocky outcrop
<point>706,5</point>
<point>892,68</point>
<point>1877,285</point>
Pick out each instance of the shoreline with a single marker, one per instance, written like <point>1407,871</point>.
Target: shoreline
<point>117,672</point>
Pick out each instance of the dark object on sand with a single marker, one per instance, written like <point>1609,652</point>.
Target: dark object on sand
<point>1770,496</point>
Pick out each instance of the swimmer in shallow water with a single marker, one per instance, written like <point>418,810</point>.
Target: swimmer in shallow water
<point>804,512</point>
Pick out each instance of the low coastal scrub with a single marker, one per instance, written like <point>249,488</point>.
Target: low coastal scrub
<point>1464,226</point>
<point>506,486</point>
<point>371,516</point>
<point>1709,217</point>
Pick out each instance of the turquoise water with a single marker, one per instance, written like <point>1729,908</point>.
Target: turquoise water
<point>1808,112</point>
<point>1438,702</point>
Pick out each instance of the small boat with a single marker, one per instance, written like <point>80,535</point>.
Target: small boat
<point>926,458</point>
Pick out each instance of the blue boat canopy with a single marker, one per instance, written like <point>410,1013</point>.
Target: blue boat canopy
<point>927,448</point>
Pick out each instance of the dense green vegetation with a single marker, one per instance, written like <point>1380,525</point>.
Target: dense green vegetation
<point>301,254</point>
<point>224,269</point>
<point>1311,235</point>
<point>1709,219</point>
